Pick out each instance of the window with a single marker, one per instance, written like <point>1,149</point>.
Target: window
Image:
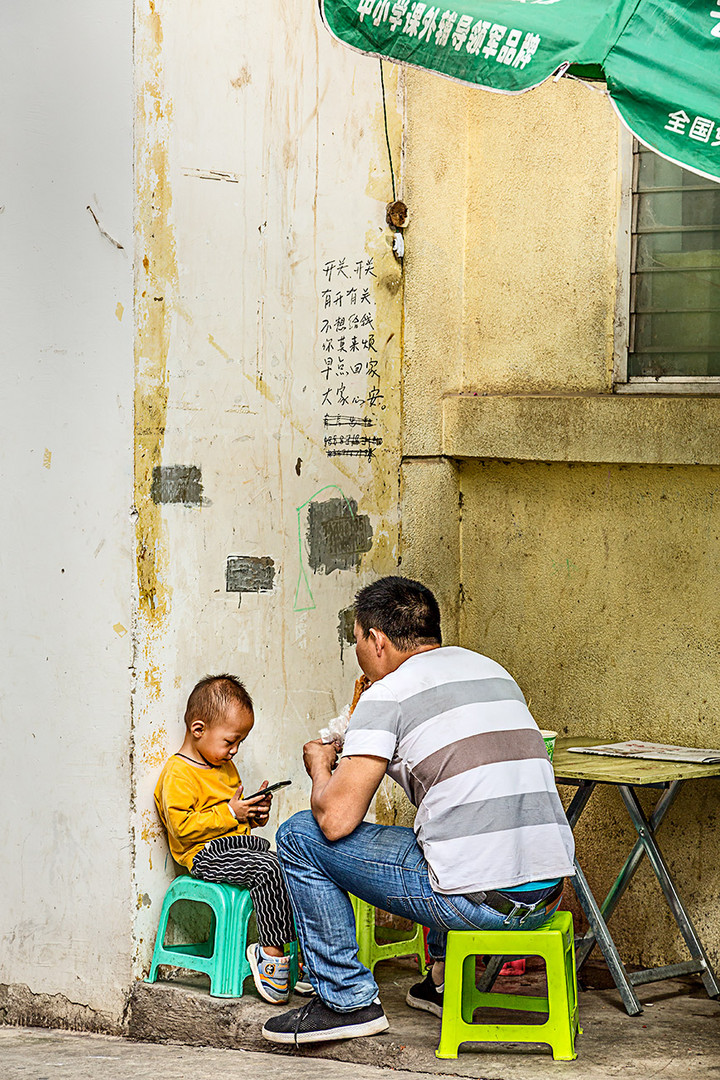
<point>674,332</point>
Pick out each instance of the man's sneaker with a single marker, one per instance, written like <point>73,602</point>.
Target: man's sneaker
<point>271,975</point>
<point>425,996</point>
<point>317,1022</point>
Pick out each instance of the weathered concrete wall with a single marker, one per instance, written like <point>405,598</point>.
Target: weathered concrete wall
<point>267,399</point>
<point>266,437</point>
<point>66,438</point>
<point>593,583</point>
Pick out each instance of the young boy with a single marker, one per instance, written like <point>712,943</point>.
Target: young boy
<point>199,799</point>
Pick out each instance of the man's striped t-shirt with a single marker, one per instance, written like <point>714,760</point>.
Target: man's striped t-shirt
<point>460,740</point>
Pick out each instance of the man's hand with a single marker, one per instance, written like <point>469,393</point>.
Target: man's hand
<point>339,800</point>
<point>253,811</point>
<point>319,758</point>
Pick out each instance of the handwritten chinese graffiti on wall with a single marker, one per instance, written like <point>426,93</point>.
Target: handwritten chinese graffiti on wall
<point>352,396</point>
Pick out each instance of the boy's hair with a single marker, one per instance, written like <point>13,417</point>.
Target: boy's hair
<point>212,695</point>
<point>406,611</point>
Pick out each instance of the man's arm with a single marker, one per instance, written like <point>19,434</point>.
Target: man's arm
<point>340,799</point>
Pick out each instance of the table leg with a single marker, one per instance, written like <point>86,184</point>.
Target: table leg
<point>606,944</point>
<point>584,947</point>
<point>647,839</point>
<point>491,972</point>
<point>579,801</point>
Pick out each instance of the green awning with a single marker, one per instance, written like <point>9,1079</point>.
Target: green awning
<point>660,58</point>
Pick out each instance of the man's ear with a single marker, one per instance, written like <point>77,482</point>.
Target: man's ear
<point>379,641</point>
<point>197,728</point>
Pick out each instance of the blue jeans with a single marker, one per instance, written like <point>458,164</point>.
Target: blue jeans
<point>383,865</point>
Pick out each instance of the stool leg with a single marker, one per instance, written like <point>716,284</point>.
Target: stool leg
<point>159,942</point>
<point>244,911</point>
<point>469,988</point>
<point>487,979</point>
<point>370,950</point>
<point>223,954</point>
<point>294,961</point>
<point>455,974</point>
<point>235,964</point>
<point>365,932</point>
<point>561,1007</point>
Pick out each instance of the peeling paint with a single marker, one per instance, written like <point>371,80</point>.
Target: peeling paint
<point>104,232</point>
<point>244,78</point>
<point>153,748</point>
<point>212,174</point>
<point>156,276</point>
<point>150,829</point>
<point>152,680</point>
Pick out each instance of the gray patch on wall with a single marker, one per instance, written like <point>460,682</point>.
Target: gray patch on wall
<point>337,535</point>
<point>249,573</point>
<point>177,484</point>
<point>346,627</point>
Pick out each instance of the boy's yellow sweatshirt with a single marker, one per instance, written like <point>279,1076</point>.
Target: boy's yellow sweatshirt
<point>193,806</point>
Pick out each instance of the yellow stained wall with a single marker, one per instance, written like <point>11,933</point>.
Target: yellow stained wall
<point>594,586</point>
<point>594,583</point>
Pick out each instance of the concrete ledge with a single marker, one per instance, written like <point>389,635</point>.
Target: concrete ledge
<point>19,1005</point>
<point>610,428</point>
<point>677,1037</point>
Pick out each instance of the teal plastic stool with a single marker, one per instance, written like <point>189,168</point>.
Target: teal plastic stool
<point>370,951</point>
<point>555,943</point>
<point>222,955</point>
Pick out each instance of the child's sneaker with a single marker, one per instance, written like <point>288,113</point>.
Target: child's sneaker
<point>303,986</point>
<point>271,974</point>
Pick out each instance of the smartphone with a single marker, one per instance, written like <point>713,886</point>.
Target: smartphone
<point>267,790</point>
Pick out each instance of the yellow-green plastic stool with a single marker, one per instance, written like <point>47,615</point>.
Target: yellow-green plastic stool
<point>555,943</point>
<point>370,951</point>
<point>222,956</point>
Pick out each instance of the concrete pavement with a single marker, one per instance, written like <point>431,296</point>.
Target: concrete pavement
<point>35,1054</point>
<point>676,1038</point>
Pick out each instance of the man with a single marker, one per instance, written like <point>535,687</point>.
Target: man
<point>490,843</point>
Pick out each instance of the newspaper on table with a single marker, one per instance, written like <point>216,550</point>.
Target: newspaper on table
<point>652,752</point>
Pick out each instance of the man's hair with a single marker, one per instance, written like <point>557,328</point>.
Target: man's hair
<point>209,700</point>
<point>405,610</point>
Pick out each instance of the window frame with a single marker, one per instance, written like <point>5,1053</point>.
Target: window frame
<point>622,384</point>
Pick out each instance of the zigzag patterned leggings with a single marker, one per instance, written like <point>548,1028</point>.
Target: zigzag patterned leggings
<point>248,861</point>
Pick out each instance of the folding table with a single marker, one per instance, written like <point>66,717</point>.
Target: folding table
<point>586,771</point>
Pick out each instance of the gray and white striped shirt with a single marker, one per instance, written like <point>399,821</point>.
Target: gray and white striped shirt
<point>460,740</point>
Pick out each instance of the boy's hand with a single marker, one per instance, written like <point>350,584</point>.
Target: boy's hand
<point>254,811</point>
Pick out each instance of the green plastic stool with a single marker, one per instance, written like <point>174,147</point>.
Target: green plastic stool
<point>222,955</point>
<point>370,951</point>
<point>555,943</point>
